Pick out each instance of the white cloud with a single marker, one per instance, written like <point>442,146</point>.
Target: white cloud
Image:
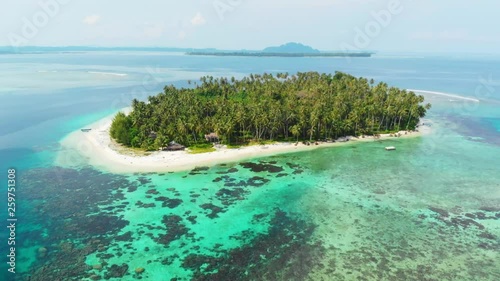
<point>198,20</point>
<point>92,19</point>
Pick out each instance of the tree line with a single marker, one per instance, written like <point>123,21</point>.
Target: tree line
<point>305,106</point>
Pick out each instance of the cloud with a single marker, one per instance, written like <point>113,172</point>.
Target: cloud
<point>92,19</point>
<point>198,20</point>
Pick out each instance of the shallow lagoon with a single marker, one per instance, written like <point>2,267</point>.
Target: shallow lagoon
<point>427,211</point>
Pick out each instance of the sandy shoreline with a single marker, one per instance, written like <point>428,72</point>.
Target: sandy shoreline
<point>97,149</point>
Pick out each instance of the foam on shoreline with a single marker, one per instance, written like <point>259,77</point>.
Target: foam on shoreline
<point>444,95</point>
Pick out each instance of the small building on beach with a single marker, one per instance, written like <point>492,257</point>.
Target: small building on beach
<point>212,137</point>
<point>173,146</point>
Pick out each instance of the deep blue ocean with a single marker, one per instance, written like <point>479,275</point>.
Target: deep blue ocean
<point>442,194</point>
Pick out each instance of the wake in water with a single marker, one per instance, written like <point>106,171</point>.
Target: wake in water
<point>444,95</point>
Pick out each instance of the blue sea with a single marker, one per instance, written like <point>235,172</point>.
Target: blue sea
<point>428,211</point>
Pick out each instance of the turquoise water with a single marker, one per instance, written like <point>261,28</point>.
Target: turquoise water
<point>428,211</point>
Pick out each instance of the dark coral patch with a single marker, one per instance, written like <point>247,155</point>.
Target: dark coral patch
<point>236,184</point>
<point>96,225</point>
<point>140,204</point>
<point>230,196</point>
<point>286,252</point>
<point>297,168</point>
<point>143,180</point>
<point>192,219</point>
<point>465,223</point>
<point>257,181</point>
<point>219,179</point>
<point>127,236</point>
<point>232,182</point>
<point>214,210</point>
<point>169,203</point>
<point>116,271</point>
<point>490,209</point>
<point>152,191</point>
<point>443,213</point>
<point>199,170</point>
<point>226,179</point>
<point>471,216</point>
<point>229,171</point>
<point>261,167</point>
<point>175,229</point>
<point>487,235</point>
<point>257,218</point>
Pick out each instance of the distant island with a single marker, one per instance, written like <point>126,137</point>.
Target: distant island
<point>282,107</point>
<point>286,50</point>
<point>295,48</point>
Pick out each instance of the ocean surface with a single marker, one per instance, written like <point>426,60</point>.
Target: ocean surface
<point>428,211</point>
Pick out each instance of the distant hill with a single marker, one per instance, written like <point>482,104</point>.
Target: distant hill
<point>295,48</point>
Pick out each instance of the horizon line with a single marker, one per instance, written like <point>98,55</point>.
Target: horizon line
<point>249,50</point>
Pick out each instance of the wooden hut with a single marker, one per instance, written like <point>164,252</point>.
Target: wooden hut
<point>212,137</point>
<point>173,146</point>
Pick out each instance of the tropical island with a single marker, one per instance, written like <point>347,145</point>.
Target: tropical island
<point>287,50</point>
<point>225,120</point>
<point>305,107</point>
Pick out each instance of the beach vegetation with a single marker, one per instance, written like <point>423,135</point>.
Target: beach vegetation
<point>201,148</point>
<point>267,108</point>
<point>123,131</point>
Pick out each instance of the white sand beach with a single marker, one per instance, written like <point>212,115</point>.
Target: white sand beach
<point>96,148</point>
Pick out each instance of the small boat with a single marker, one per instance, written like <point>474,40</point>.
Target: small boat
<point>86,130</point>
<point>389,148</point>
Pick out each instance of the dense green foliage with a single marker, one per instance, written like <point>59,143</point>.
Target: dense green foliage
<point>121,129</point>
<point>305,106</point>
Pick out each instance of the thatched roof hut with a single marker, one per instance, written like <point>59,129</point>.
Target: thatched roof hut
<point>173,146</point>
<point>212,137</point>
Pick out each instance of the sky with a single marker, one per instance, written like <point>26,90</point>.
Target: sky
<point>454,26</point>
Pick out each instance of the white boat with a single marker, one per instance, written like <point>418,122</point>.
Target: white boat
<point>389,148</point>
